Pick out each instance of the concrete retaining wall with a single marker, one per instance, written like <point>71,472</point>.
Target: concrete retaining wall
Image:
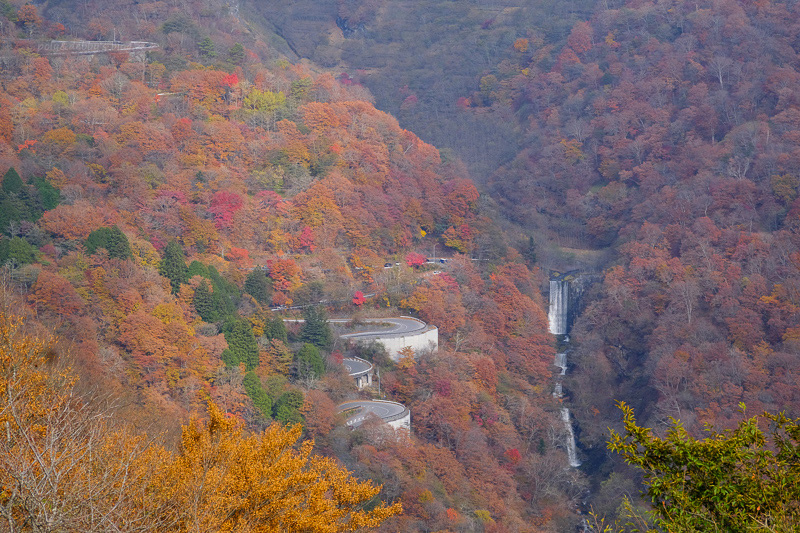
<point>403,423</point>
<point>363,378</point>
<point>424,340</point>
<point>401,420</point>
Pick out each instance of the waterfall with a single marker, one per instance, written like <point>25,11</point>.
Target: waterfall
<point>557,315</point>
<point>561,362</point>
<point>558,392</point>
<point>559,301</point>
<point>572,450</point>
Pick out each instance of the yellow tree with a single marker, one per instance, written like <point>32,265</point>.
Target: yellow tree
<point>64,466</point>
<point>67,465</point>
<point>227,481</point>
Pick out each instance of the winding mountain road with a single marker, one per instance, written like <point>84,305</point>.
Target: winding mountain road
<point>402,325</point>
<point>396,326</point>
<point>385,410</point>
<point>356,366</point>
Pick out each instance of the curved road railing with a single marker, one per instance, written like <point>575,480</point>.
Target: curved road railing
<point>394,411</point>
<point>357,367</point>
<point>403,325</point>
<point>91,47</point>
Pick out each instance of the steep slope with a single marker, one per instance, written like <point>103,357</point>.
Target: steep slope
<point>667,131</point>
<point>159,215</point>
<point>419,57</point>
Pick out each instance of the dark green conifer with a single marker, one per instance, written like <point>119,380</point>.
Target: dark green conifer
<point>207,48</point>
<point>12,209</point>
<point>287,408</point>
<point>226,294</point>
<point>316,330</point>
<point>112,239</point>
<point>236,54</point>
<point>196,268</point>
<point>204,303</point>
<point>530,251</point>
<point>18,250</point>
<point>276,329</point>
<point>261,400</point>
<point>309,363</point>
<point>173,266</point>
<point>259,286</point>
<point>50,196</point>
<point>12,182</point>
<point>239,335</point>
<point>229,358</point>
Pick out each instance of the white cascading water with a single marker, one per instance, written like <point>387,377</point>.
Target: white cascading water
<point>557,315</point>
<point>572,450</point>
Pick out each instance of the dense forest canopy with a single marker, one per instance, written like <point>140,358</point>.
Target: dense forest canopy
<point>662,131</point>
<point>162,212</point>
<point>162,216</point>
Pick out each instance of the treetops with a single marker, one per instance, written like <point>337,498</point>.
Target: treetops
<point>263,165</point>
<point>746,479</point>
<point>219,479</point>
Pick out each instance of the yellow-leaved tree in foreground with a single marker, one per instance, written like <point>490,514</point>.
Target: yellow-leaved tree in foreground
<point>66,465</point>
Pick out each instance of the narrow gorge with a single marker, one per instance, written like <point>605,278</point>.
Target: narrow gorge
<point>558,315</point>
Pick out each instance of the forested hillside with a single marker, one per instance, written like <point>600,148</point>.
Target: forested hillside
<point>161,216</point>
<point>666,132</point>
<point>660,134</point>
<point>421,58</point>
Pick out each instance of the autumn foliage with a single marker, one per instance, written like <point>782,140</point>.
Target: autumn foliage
<point>66,465</point>
<point>166,216</point>
<point>634,149</point>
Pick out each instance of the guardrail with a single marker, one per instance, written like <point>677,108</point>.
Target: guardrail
<point>359,360</point>
<point>391,418</point>
<point>90,47</point>
<point>405,413</point>
<point>389,335</point>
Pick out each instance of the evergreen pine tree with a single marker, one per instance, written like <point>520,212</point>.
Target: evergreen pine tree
<point>196,268</point>
<point>15,202</point>
<point>276,329</point>
<point>207,48</point>
<point>287,408</point>
<point>50,196</point>
<point>226,294</point>
<point>530,251</point>
<point>239,335</point>
<point>12,182</point>
<point>173,266</point>
<point>112,239</point>
<point>309,363</point>
<point>18,250</point>
<point>316,330</point>
<point>12,209</point>
<point>259,286</point>
<point>261,400</point>
<point>204,303</point>
<point>236,54</point>
<point>229,358</point>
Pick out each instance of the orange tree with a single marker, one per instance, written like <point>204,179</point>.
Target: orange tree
<point>232,482</point>
<point>68,465</point>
